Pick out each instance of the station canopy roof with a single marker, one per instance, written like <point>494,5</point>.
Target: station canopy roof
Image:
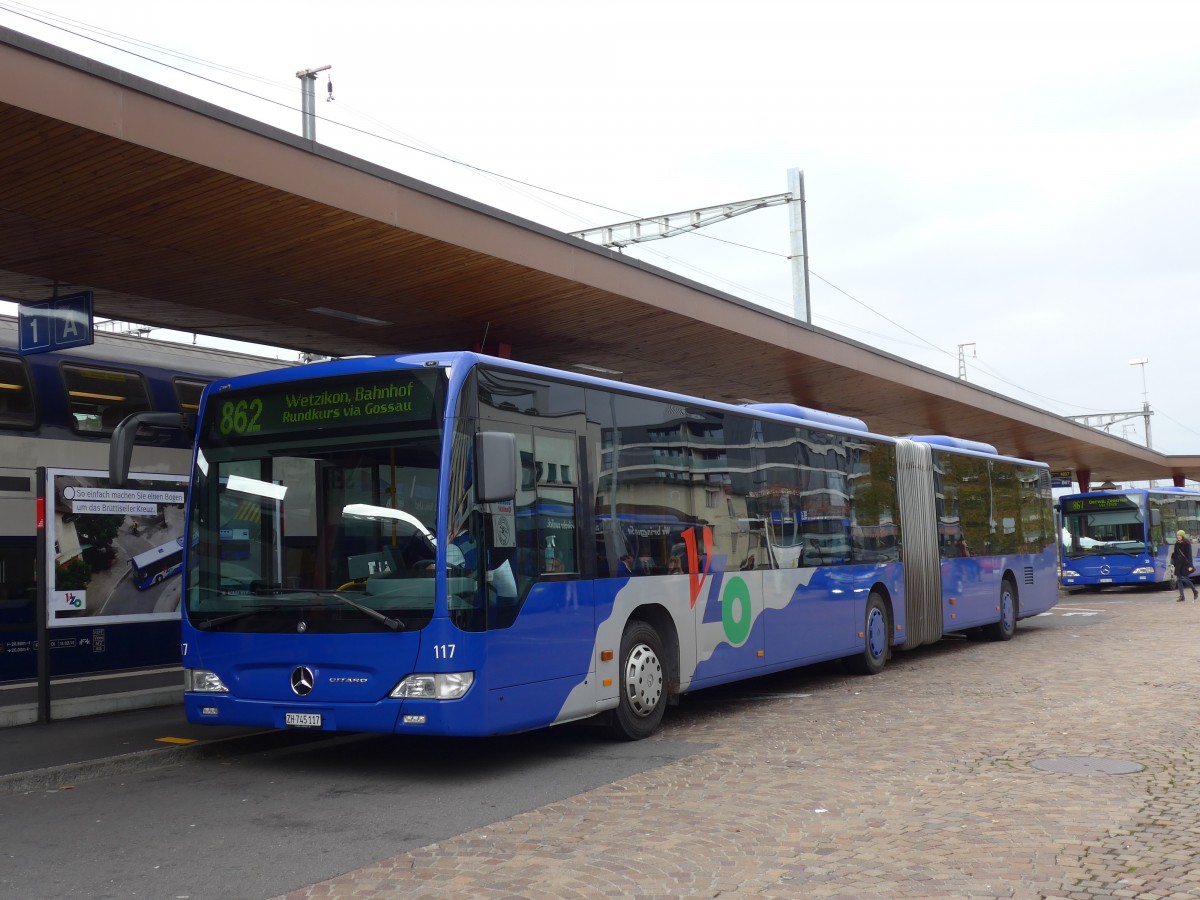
<point>177,213</point>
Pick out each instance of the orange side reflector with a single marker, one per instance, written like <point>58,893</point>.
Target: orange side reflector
<point>606,656</point>
<point>608,682</point>
<point>761,653</point>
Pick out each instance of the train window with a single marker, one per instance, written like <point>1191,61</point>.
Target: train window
<point>16,395</point>
<point>188,394</point>
<point>100,398</point>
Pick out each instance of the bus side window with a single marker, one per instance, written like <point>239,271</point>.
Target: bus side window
<point>557,506</point>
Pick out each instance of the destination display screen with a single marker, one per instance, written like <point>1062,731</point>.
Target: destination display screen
<point>1093,504</point>
<point>375,400</point>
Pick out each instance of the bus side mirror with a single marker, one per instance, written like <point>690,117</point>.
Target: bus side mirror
<point>496,466</point>
<point>120,447</point>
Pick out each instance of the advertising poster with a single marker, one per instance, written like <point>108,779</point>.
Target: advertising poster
<point>114,555</point>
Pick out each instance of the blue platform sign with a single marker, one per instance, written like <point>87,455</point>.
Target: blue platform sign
<point>55,324</point>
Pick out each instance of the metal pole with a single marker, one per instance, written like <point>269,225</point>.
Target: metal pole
<point>801,308</point>
<point>42,577</point>
<point>308,108</point>
<point>962,360</point>
<point>308,102</point>
<point>1145,397</point>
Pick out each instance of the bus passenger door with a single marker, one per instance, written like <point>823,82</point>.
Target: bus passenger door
<point>541,621</point>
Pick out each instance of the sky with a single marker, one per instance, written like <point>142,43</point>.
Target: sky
<point>1007,188</point>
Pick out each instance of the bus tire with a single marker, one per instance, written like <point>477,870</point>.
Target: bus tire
<point>877,644</point>
<point>1007,626</point>
<point>158,577</point>
<point>643,693</point>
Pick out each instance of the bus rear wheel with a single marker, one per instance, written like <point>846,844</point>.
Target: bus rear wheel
<point>1007,626</point>
<point>643,697</point>
<point>877,633</point>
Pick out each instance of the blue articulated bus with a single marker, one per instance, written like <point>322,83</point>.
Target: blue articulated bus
<point>460,545</point>
<point>1124,537</point>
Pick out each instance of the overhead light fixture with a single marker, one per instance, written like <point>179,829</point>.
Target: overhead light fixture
<point>349,317</point>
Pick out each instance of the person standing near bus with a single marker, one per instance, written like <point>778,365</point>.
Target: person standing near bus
<point>1181,559</point>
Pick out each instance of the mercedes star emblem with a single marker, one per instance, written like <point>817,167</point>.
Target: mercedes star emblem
<point>303,681</point>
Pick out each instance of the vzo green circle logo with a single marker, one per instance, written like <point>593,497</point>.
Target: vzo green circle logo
<point>736,611</point>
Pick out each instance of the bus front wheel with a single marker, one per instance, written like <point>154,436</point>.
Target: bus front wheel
<point>877,633</point>
<point>643,697</point>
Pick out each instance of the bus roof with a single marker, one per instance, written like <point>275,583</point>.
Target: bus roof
<point>460,361</point>
<point>154,554</point>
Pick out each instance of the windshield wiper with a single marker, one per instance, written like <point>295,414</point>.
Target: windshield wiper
<point>260,589</point>
<point>394,624</point>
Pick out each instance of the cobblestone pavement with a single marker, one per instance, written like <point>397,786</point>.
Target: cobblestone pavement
<point>915,783</point>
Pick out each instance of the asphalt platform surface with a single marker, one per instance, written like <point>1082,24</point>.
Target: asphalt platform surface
<point>1062,764</point>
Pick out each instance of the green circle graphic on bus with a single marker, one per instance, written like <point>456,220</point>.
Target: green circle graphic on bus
<point>736,611</point>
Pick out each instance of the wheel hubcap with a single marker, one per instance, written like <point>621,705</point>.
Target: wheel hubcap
<point>875,637</point>
<point>643,680</point>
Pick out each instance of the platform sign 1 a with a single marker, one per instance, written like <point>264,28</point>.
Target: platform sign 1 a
<point>55,324</point>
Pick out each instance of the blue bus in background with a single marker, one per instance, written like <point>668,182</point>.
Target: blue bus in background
<point>460,545</point>
<point>1124,537</point>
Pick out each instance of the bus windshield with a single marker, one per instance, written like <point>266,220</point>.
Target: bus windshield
<point>299,525</point>
<point>1119,529</point>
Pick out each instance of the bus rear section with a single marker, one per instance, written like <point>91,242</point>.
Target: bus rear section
<point>978,534</point>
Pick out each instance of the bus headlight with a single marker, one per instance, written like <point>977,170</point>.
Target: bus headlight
<point>203,681</point>
<point>1069,573</point>
<point>440,686</point>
